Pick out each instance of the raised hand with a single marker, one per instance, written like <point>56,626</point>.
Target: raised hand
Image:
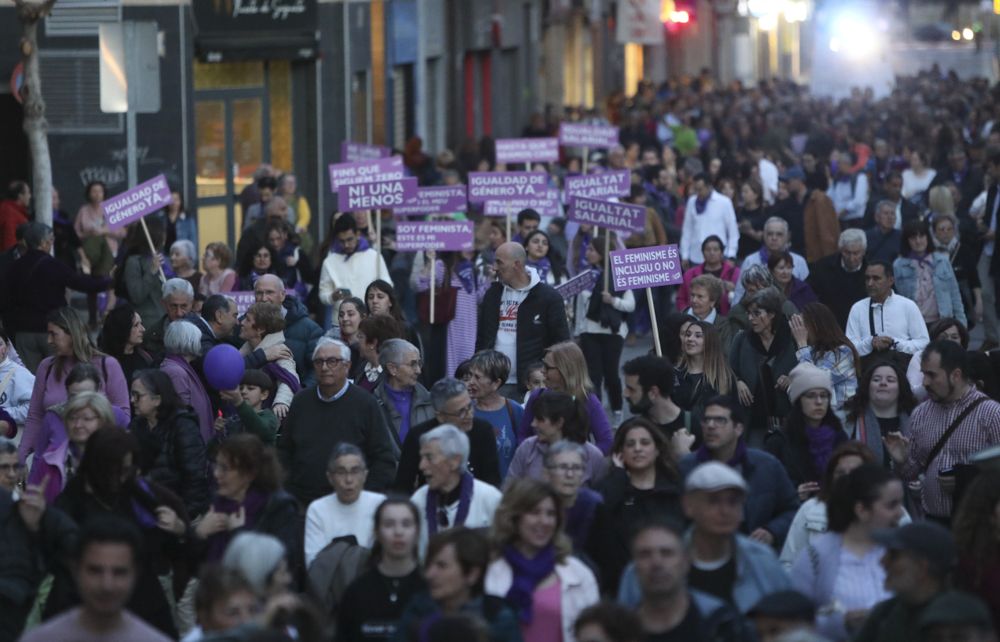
<point>167,520</point>
<point>211,523</point>
<point>897,446</point>
<point>31,506</point>
<point>799,331</point>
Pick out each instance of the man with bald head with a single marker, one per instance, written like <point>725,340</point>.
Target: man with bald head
<point>301,332</point>
<point>520,316</point>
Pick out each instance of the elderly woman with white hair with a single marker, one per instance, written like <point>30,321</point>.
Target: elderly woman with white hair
<point>182,344</point>
<point>184,262</point>
<point>262,560</point>
<point>753,279</point>
<point>404,400</point>
<point>452,496</point>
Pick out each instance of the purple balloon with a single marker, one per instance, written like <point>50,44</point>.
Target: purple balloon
<point>224,367</point>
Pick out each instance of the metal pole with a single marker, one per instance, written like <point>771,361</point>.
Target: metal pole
<point>130,133</point>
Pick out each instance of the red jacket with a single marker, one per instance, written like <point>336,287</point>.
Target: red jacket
<point>12,214</point>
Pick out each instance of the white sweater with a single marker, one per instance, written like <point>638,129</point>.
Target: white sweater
<point>17,395</point>
<point>354,273</point>
<point>327,518</point>
<point>485,499</point>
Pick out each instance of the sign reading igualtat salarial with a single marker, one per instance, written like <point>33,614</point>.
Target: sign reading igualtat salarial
<point>444,236</point>
<point>622,217</point>
<point>604,185</point>
<point>372,171</point>
<point>580,135</point>
<point>527,150</point>
<point>133,204</point>
<point>442,199</point>
<point>503,186</point>
<point>645,267</point>
<point>380,195</point>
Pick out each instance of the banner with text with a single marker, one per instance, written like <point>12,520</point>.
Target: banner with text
<point>579,135</point>
<point>351,152</point>
<point>645,267</point>
<point>243,300</point>
<point>133,204</point>
<point>376,196</point>
<point>604,185</point>
<point>444,199</point>
<point>505,186</point>
<point>372,171</point>
<point>527,150</point>
<point>621,217</point>
<point>442,236</point>
<point>546,205</point>
<point>580,283</point>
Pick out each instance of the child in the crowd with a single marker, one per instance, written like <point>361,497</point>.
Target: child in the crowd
<point>251,416</point>
<point>534,379</point>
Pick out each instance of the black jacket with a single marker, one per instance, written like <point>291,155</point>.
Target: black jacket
<point>624,508</point>
<point>483,461</point>
<point>173,454</point>
<point>793,452</point>
<point>836,287</point>
<point>541,323</point>
<point>48,278</point>
<point>908,210</point>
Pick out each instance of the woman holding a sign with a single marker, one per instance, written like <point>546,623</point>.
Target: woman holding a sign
<point>600,327</point>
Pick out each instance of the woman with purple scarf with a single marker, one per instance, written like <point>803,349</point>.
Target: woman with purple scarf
<point>249,497</point>
<point>537,246</point>
<point>534,570</point>
<point>811,432</point>
<point>263,327</point>
<point>182,345</point>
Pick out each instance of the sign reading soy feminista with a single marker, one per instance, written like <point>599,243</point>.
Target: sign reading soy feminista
<point>444,199</point>
<point>546,205</point>
<point>376,196</point>
<point>446,236</point>
<point>604,185</point>
<point>372,171</point>
<point>579,283</point>
<point>504,186</point>
<point>622,217</point>
<point>579,135</point>
<point>133,204</point>
<point>527,150</point>
<point>351,152</point>
<point>645,267</point>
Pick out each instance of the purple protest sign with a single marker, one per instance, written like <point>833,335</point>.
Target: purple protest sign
<point>444,199</point>
<point>546,205</point>
<point>504,186</point>
<point>579,135</point>
<point>385,169</point>
<point>351,152</point>
<point>243,300</point>
<point>579,283</point>
<point>448,236</point>
<point>376,196</point>
<point>527,150</point>
<point>603,185</point>
<point>645,267</point>
<point>133,204</point>
<point>623,217</point>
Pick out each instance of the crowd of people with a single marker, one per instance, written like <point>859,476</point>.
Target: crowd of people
<point>808,459</point>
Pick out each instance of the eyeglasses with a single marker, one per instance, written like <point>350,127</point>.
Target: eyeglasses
<point>136,396</point>
<point>568,469</point>
<point>817,395</point>
<point>8,469</point>
<point>344,473</point>
<point>463,413</point>
<point>332,362</point>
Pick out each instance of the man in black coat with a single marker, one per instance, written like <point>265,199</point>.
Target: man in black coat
<point>520,316</point>
<point>839,279</point>
<point>892,191</point>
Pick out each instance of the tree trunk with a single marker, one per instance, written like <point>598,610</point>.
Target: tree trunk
<point>35,125</point>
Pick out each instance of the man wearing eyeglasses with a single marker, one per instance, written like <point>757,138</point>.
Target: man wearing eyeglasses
<point>404,401</point>
<point>452,405</point>
<point>331,412</point>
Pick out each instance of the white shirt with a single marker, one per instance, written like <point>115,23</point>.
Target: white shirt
<point>850,201</point>
<point>898,318</point>
<point>354,273</point>
<point>327,518</point>
<point>769,179</point>
<point>800,270</point>
<point>719,218</point>
<point>483,505</point>
<point>914,185</point>
<point>510,303</point>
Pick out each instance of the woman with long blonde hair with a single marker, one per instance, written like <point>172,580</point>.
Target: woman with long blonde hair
<point>534,569</point>
<point>566,371</point>
<point>703,370</point>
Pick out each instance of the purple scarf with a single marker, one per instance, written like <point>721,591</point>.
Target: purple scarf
<point>280,376</point>
<point>253,504</point>
<point>528,574</point>
<point>464,501</point>
<point>542,266</point>
<point>739,456</point>
<point>581,261</point>
<point>466,274</point>
<point>821,441</point>
<point>337,248</point>
<point>701,204</point>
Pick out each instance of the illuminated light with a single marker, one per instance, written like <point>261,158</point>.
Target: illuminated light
<point>835,45</point>
<point>680,17</point>
<point>855,36</point>
<point>768,22</point>
<point>955,35</point>
<point>967,34</point>
<point>795,11</point>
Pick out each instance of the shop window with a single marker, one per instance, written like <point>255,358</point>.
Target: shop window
<point>279,87</point>
<point>228,75</point>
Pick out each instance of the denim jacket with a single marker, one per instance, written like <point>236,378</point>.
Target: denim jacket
<point>949,297</point>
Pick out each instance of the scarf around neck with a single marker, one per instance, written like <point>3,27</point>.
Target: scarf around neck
<point>542,266</point>
<point>464,501</point>
<point>821,441</point>
<point>701,204</point>
<point>528,574</point>
<point>337,248</point>
<point>253,504</point>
